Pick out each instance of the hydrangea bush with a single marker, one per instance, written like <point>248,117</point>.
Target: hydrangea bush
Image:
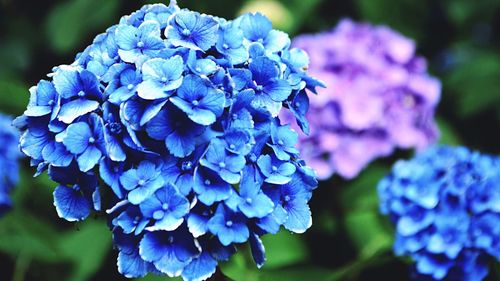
<point>9,167</point>
<point>445,204</point>
<point>169,122</point>
<point>379,98</point>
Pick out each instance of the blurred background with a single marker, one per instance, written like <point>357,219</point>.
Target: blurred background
<point>348,240</point>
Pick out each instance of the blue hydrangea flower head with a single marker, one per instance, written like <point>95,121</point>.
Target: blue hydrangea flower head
<point>168,125</point>
<point>9,155</point>
<point>445,204</point>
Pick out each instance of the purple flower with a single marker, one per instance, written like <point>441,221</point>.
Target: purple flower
<point>379,98</point>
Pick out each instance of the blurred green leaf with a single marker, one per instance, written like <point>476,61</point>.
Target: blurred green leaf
<point>361,193</point>
<point>70,23</point>
<point>21,232</point>
<point>284,248</point>
<point>296,274</point>
<point>325,222</point>
<point>364,225</point>
<point>14,55</point>
<point>347,272</point>
<point>14,95</point>
<point>87,248</point>
<point>395,14</point>
<point>240,268</point>
<point>448,135</point>
<point>300,10</point>
<point>475,82</point>
<point>368,233</point>
<point>41,186</point>
<point>464,11</point>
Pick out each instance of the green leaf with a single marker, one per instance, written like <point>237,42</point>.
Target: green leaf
<point>240,267</point>
<point>364,225</point>
<point>14,54</point>
<point>71,22</point>
<point>475,82</point>
<point>368,233</point>
<point>87,248</point>
<point>395,14</point>
<point>462,12</point>
<point>324,222</point>
<point>14,96</point>
<point>361,193</point>
<point>21,232</point>
<point>296,274</point>
<point>284,248</point>
<point>26,190</point>
<point>448,135</point>
<point>300,10</point>
<point>347,272</point>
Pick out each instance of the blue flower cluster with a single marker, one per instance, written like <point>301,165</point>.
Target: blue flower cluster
<point>445,204</point>
<point>9,167</point>
<point>176,112</point>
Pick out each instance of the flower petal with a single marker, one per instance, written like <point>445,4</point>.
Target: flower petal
<point>70,204</point>
<point>76,108</point>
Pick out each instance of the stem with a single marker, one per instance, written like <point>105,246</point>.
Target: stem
<point>349,271</point>
<point>22,263</point>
